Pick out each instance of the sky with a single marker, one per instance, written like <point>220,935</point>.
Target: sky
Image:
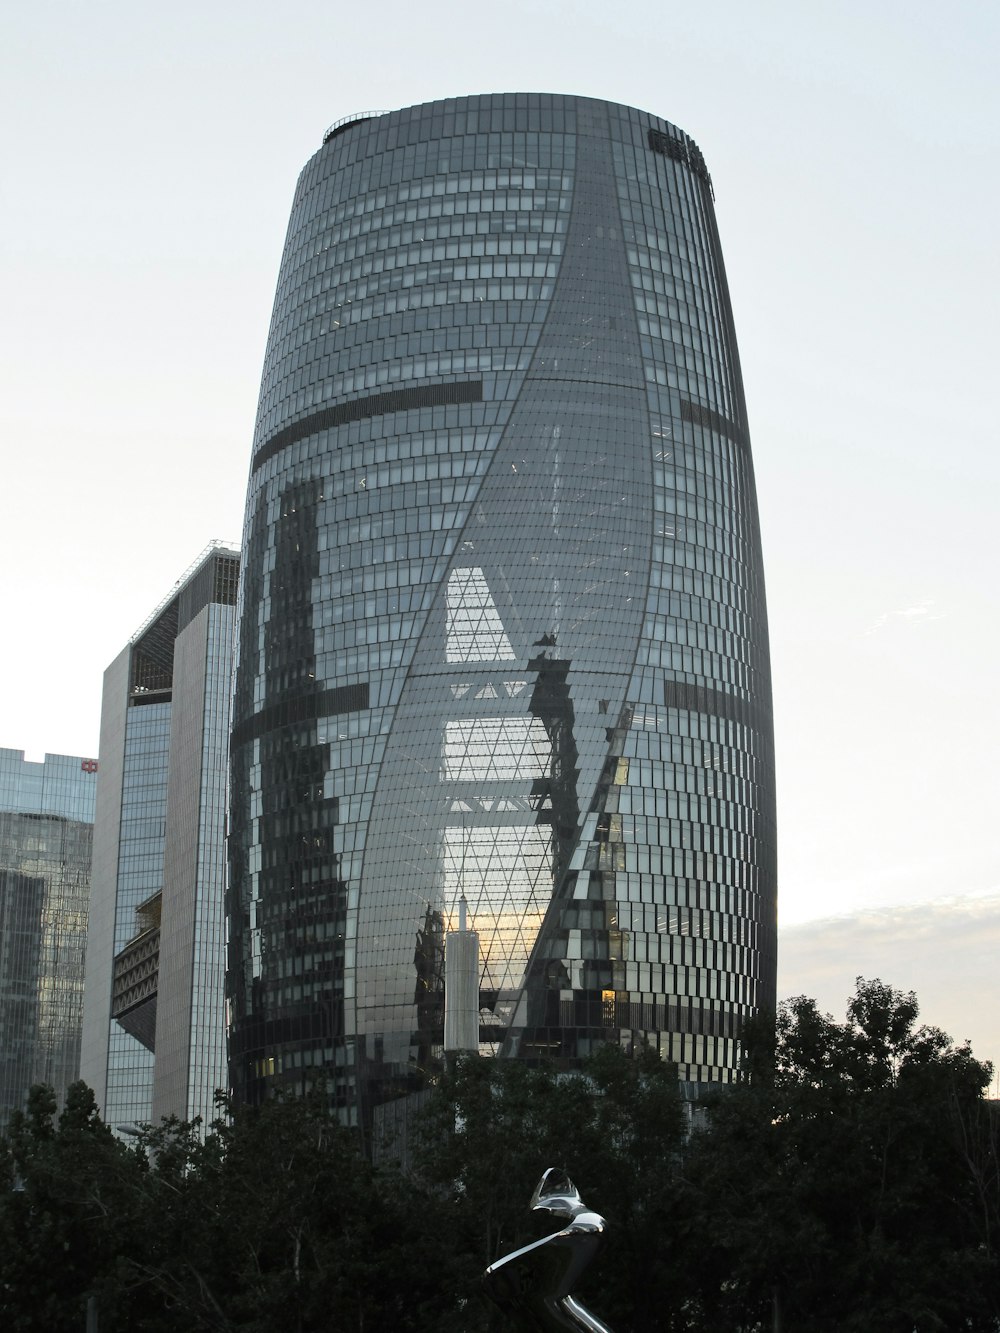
<point>148,156</point>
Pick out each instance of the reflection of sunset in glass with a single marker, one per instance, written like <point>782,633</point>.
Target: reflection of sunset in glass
<point>506,876</point>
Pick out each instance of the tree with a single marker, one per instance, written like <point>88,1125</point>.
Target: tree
<point>70,1208</point>
<point>273,1221</point>
<point>276,1221</point>
<point>836,1194</point>
<point>849,1183</point>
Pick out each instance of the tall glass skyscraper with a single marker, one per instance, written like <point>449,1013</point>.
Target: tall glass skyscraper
<point>501,629</point>
<point>46,834</point>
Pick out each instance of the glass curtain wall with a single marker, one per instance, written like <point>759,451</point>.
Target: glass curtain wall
<point>46,839</point>
<point>501,628</point>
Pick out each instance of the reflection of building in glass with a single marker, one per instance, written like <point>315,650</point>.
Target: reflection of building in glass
<point>46,831</point>
<point>502,628</point>
<point>154,1031</point>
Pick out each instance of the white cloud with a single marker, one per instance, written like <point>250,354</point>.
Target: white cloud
<point>921,613</point>
<point>945,950</point>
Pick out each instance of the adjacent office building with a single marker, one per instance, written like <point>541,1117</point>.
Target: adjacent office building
<point>154,1033</point>
<point>502,628</point>
<point>46,830</point>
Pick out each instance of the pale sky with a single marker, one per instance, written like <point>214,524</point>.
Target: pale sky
<point>148,160</point>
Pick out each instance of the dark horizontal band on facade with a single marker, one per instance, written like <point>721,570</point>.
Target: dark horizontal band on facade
<point>591,383</point>
<point>374,405</point>
<point>306,708</point>
<point>704,416</point>
<point>703,699</point>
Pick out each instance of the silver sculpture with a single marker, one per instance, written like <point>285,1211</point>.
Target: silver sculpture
<point>536,1281</point>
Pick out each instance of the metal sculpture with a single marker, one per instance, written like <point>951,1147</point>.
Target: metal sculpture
<point>536,1282</point>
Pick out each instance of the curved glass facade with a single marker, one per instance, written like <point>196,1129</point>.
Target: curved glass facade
<point>501,628</point>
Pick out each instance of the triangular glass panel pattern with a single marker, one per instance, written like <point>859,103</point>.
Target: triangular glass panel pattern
<point>475,630</point>
<point>502,865</point>
<point>505,872</point>
<point>488,749</point>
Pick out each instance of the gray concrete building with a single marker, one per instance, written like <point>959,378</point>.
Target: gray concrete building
<point>154,1029</point>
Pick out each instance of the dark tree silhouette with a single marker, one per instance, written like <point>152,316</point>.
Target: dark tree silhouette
<point>848,1183</point>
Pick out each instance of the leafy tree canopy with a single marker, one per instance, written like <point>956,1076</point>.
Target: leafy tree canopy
<point>849,1182</point>
<point>853,1180</point>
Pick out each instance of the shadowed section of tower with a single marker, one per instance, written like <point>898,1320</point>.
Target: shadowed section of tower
<point>295,893</point>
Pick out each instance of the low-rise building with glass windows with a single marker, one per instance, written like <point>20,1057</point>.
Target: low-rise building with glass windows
<point>154,1040</point>
<point>502,629</point>
<point>46,834</point>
